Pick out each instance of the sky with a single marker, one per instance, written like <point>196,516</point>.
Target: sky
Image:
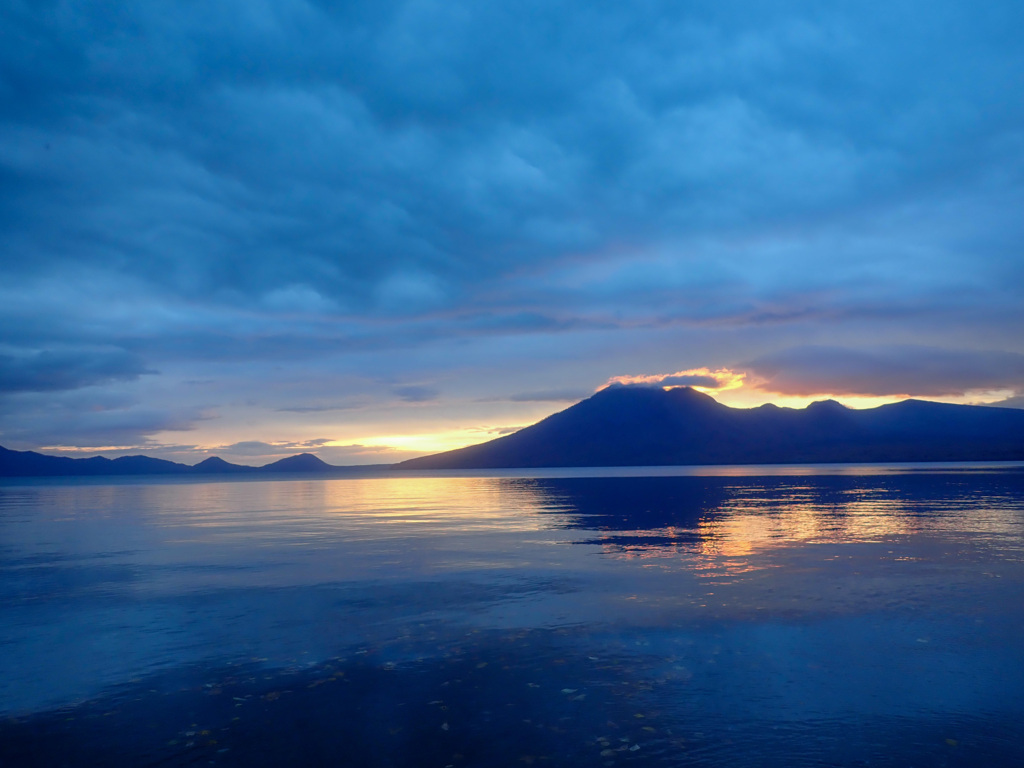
<point>373,230</point>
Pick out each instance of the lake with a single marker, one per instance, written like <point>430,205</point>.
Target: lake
<point>745,616</point>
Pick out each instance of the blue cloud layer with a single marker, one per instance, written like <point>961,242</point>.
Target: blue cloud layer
<point>443,203</point>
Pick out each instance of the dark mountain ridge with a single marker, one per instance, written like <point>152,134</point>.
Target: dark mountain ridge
<point>33,464</point>
<point>650,426</point>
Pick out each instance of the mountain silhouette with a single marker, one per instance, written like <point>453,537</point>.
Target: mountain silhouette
<point>303,462</point>
<point>650,426</point>
<point>215,465</point>
<point>32,464</point>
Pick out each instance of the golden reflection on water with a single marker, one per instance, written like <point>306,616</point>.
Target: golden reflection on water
<point>741,534</point>
<point>311,508</point>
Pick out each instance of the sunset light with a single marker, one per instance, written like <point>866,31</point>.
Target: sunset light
<point>702,379</point>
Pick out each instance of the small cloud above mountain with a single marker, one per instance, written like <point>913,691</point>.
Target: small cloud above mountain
<point>721,379</point>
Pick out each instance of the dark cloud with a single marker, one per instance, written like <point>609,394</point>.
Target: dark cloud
<point>888,370</point>
<point>58,370</point>
<point>316,408</point>
<point>416,393</point>
<point>551,396</point>
<point>368,157</point>
<point>31,422</point>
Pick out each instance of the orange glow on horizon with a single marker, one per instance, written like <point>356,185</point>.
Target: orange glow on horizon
<point>428,442</point>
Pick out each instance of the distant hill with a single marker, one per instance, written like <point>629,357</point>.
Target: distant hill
<point>303,462</point>
<point>650,426</point>
<point>32,464</point>
<point>215,465</point>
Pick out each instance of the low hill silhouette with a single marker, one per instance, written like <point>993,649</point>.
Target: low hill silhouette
<point>215,465</point>
<point>33,464</point>
<point>303,462</point>
<point>650,426</point>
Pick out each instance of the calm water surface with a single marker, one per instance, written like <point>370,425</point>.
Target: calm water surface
<point>755,616</point>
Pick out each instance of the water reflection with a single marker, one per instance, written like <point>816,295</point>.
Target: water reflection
<point>702,619</point>
<point>739,515</point>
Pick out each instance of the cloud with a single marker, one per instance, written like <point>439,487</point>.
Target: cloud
<point>356,454</point>
<point>692,380</point>
<point>887,370</point>
<point>259,448</point>
<point>416,393</point>
<point>549,396</point>
<point>256,452</point>
<point>314,408</point>
<point>1017,401</point>
<point>66,369</point>
<point>505,430</point>
<point>702,378</point>
<point>35,419</point>
<point>251,448</point>
<point>384,159</point>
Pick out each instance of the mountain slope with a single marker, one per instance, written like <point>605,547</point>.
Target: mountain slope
<point>640,426</point>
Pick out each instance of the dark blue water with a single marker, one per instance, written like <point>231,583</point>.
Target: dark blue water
<point>754,617</point>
